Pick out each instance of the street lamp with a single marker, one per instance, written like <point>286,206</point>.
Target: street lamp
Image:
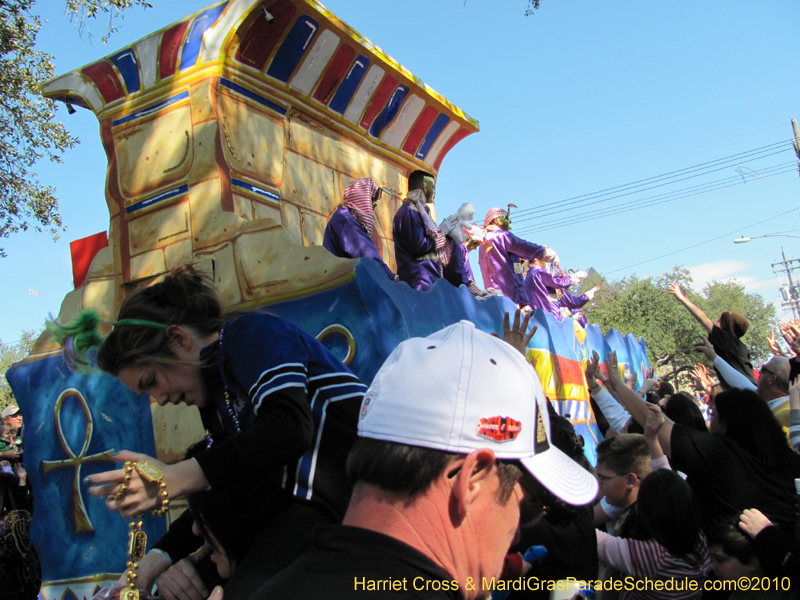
<point>793,295</point>
<point>744,240</point>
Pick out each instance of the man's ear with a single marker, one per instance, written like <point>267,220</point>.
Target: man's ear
<point>753,565</point>
<point>472,479</point>
<point>632,480</point>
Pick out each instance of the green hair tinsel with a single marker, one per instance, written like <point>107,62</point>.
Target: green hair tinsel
<point>78,338</point>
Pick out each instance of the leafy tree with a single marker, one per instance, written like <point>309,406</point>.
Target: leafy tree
<point>80,10</point>
<point>532,6</point>
<point>28,131</point>
<point>645,308</point>
<point>10,354</point>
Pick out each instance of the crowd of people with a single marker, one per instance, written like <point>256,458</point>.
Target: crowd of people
<point>20,571</point>
<point>451,475</point>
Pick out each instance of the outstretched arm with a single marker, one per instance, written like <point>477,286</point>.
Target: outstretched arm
<point>635,404</point>
<point>693,309</point>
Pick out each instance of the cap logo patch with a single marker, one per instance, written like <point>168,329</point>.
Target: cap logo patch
<point>541,444</point>
<point>365,404</point>
<point>499,429</point>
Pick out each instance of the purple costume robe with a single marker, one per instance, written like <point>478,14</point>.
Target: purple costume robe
<point>497,258</point>
<point>574,303</point>
<point>415,252</point>
<point>458,271</point>
<point>346,237</point>
<point>540,284</point>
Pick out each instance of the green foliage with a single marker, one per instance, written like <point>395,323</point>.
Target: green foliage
<point>644,307</point>
<point>532,6</point>
<point>27,128</point>
<point>80,10</point>
<point>10,354</point>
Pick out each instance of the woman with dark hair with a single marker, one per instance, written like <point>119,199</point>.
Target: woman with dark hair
<point>673,547</point>
<point>289,405</point>
<point>742,462</point>
<point>682,408</point>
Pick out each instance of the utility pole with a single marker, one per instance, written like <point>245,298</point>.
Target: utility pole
<point>791,295</point>
<point>796,142</point>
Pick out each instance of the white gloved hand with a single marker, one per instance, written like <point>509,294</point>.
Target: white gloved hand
<point>581,274</point>
<point>590,294</point>
<point>448,224</point>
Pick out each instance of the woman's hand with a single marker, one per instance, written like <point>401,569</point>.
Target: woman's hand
<point>655,419</point>
<point>140,495</point>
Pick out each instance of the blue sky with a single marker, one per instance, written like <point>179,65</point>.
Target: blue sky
<point>580,98</point>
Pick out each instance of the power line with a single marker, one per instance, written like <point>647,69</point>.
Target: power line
<point>703,243</point>
<point>641,203</point>
<point>559,206</point>
<point>749,155</point>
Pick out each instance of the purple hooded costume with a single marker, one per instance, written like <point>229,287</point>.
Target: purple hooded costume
<point>345,236</point>
<point>540,283</point>
<point>497,258</point>
<point>415,252</point>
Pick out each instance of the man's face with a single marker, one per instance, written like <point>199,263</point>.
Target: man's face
<point>767,376</point>
<point>496,523</point>
<point>429,187</point>
<point>15,420</point>
<point>616,487</point>
<point>728,567</point>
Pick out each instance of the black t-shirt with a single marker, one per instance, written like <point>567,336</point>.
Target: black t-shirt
<point>348,562</point>
<point>727,479</point>
<point>731,349</point>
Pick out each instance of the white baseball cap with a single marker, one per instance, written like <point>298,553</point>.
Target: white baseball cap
<point>9,411</point>
<point>459,390</point>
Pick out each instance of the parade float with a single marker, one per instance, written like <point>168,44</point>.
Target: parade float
<point>230,138</point>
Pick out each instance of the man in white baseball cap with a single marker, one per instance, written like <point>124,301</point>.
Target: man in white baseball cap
<point>454,436</point>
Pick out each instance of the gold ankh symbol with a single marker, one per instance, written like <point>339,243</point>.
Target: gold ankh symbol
<point>82,522</point>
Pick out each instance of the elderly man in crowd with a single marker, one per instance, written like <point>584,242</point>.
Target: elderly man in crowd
<point>454,436</point>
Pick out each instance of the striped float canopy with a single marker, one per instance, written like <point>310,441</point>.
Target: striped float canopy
<point>281,54</point>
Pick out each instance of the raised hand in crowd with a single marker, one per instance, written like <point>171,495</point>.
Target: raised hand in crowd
<point>790,330</point>
<point>703,380</point>
<point>516,335</point>
<point>794,394</point>
<point>592,370</point>
<point>614,380</point>
<point>655,419</point>
<point>631,383</point>
<point>752,521</point>
<point>774,347</point>
<point>706,348</point>
<point>648,385</point>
